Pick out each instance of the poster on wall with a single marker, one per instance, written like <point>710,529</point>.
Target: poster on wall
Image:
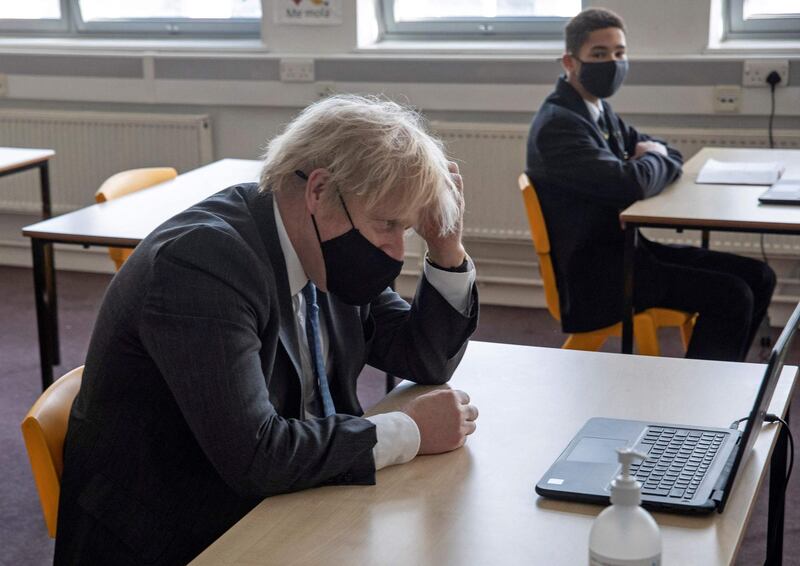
<point>308,12</point>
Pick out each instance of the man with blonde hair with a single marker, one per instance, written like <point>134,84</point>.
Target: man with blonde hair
<point>224,361</point>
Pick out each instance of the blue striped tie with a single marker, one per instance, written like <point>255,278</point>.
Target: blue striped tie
<point>315,348</point>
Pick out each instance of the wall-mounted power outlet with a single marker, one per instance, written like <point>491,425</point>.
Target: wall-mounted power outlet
<point>3,85</point>
<point>297,70</point>
<point>727,98</point>
<point>756,71</point>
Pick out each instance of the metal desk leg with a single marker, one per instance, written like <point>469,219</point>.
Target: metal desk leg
<point>43,308</point>
<point>777,498</point>
<point>704,237</point>
<point>49,262</point>
<point>627,302</point>
<point>44,182</point>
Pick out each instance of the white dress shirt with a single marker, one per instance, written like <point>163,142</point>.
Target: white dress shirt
<point>397,434</point>
<point>595,109</point>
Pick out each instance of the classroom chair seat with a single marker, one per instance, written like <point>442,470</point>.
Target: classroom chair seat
<point>44,429</point>
<point>127,182</point>
<point>645,324</point>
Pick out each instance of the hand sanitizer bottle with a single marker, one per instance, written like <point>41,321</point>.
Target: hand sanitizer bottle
<point>624,533</point>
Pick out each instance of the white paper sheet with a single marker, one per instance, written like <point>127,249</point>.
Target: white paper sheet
<point>740,172</point>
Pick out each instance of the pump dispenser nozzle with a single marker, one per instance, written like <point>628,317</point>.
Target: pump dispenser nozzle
<point>625,489</point>
<point>623,532</point>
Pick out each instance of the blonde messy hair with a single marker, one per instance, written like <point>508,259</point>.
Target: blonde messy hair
<point>374,149</point>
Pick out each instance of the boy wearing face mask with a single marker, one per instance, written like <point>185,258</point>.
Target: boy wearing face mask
<point>587,165</point>
<point>223,364</point>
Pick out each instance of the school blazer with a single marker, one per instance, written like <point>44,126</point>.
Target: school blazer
<point>191,407</point>
<point>584,181</point>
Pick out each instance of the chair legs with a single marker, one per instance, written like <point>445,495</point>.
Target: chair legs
<point>645,331</point>
<point>588,341</point>
<point>645,334</point>
<point>686,330</point>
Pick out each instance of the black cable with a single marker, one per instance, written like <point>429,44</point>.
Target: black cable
<point>770,418</point>
<point>771,115</point>
<point>773,78</point>
<point>765,340</point>
<point>735,424</point>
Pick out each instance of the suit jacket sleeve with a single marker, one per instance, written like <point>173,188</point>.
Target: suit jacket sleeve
<point>632,137</point>
<point>422,342</point>
<point>572,157</point>
<point>206,308</point>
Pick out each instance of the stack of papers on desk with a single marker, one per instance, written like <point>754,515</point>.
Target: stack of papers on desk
<point>740,172</point>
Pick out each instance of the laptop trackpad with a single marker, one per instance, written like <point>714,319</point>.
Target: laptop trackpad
<point>597,450</point>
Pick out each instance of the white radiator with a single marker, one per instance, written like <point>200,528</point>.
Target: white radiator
<point>91,146</point>
<point>491,157</point>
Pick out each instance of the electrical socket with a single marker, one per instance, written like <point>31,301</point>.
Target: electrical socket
<point>3,85</point>
<point>727,98</point>
<point>755,71</point>
<point>297,70</point>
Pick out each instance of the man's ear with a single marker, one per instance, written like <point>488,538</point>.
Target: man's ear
<point>568,63</point>
<point>316,185</point>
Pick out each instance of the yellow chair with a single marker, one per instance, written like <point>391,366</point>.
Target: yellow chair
<point>645,324</point>
<point>44,429</point>
<point>127,182</point>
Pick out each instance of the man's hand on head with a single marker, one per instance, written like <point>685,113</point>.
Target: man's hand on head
<point>448,250</point>
<point>650,146</point>
<point>444,418</point>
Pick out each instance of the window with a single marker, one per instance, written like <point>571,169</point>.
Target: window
<point>762,19</point>
<point>43,15</point>
<point>469,19</point>
<point>142,17</point>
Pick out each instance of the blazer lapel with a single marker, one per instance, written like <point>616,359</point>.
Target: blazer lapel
<point>615,141</point>
<point>569,98</point>
<point>265,219</point>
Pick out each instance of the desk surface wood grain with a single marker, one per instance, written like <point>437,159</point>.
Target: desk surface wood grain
<point>477,505</point>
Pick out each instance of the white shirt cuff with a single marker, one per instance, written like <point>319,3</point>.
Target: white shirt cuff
<point>398,439</point>
<point>454,287</point>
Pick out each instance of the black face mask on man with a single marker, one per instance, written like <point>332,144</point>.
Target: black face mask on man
<point>603,79</point>
<point>356,270</point>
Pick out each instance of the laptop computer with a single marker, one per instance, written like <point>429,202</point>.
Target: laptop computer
<point>689,469</point>
<point>785,191</point>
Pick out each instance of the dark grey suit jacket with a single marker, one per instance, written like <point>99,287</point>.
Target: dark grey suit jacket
<point>191,407</point>
<point>583,182</point>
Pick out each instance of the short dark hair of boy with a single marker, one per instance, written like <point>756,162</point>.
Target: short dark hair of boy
<point>592,19</point>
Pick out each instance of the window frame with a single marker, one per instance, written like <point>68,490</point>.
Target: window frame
<point>530,28</point>
<point>72,24</point>
<point>736,27</point>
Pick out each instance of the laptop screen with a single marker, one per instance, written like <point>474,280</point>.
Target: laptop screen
<point>765,391</point>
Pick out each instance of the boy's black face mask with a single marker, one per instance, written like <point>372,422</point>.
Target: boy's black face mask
<point>356,270</point>
<point>602,79</point>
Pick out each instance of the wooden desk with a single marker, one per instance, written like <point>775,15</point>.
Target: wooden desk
<point>122,222</point>
<point>18,159</point>
<point>477,505</point>
<point>686,204</point>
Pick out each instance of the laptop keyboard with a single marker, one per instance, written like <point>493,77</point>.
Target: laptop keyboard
<point>677,460</point>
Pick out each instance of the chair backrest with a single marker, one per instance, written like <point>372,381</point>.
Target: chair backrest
<point>541,241</point>
<point>133,180</point>
<point>44,429</point>
<point>127,182</point>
